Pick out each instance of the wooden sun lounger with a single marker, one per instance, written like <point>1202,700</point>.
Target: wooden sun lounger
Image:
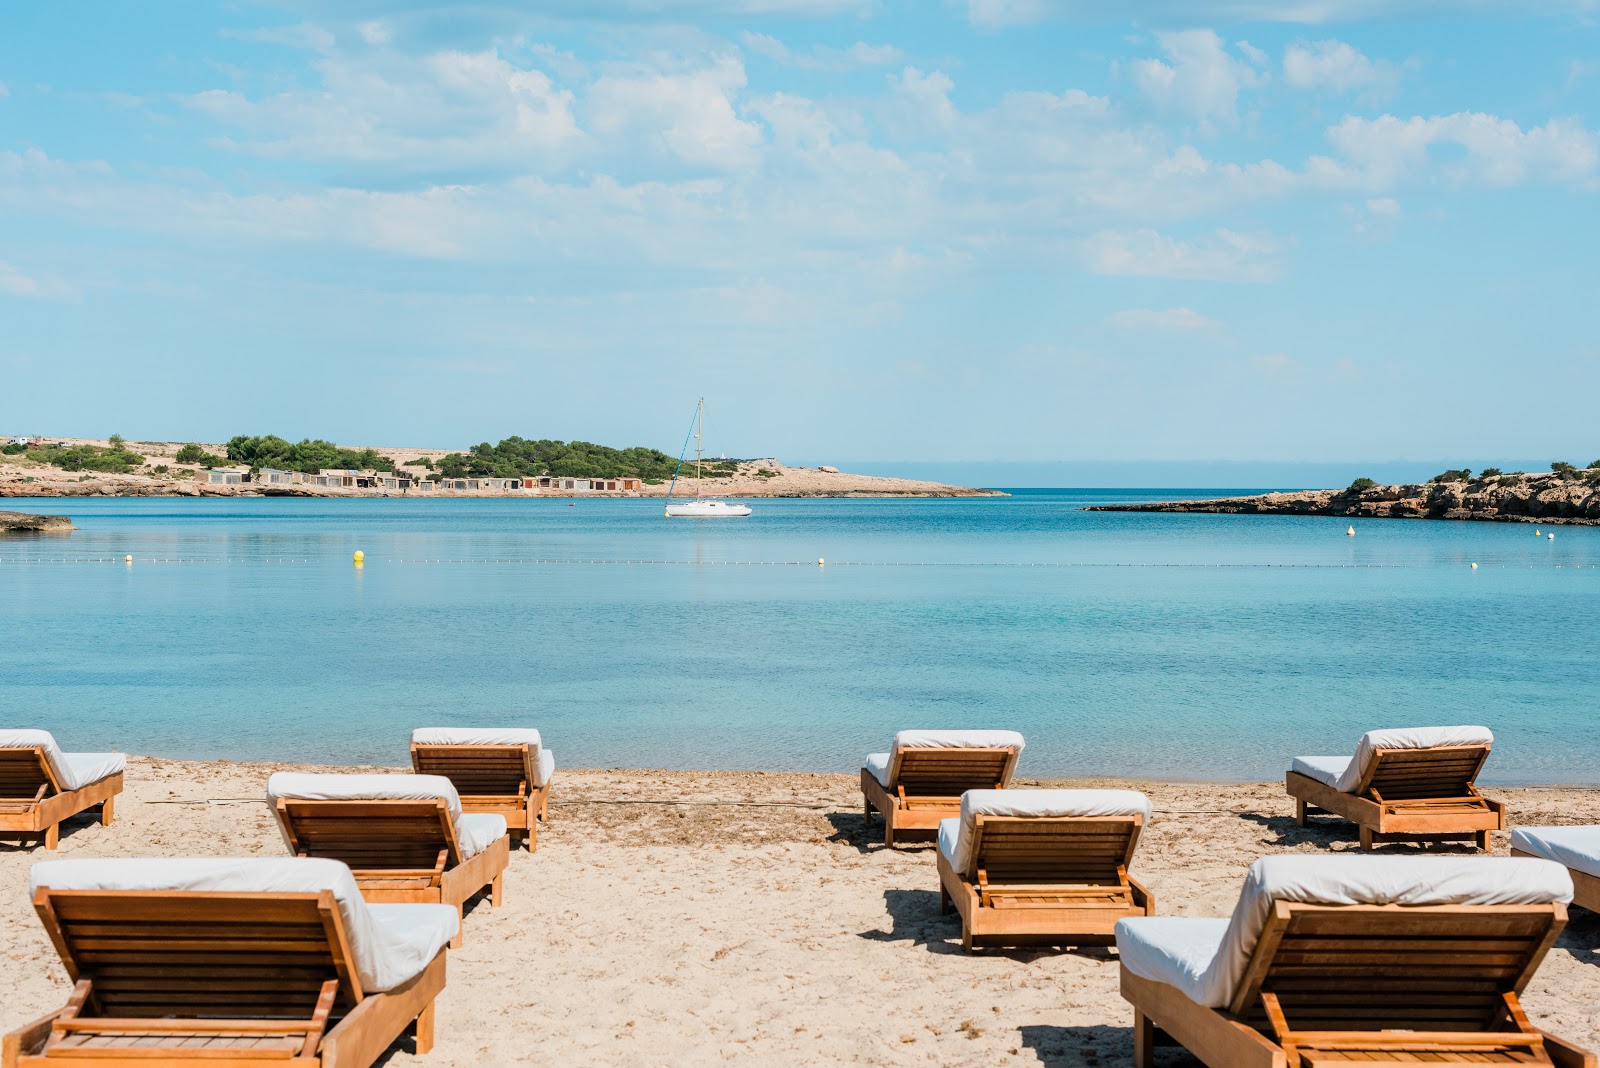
<point>1410,794</point>
<point>232,980</point>
<point>398,851</point>
<point>930,783</point>
<point>32,801</point>
<point>1382,986</point>
<point>490,778</point>
<point>1046,881</point>
<point>1585,887</point>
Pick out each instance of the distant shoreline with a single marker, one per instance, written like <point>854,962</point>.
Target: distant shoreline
<point>163,476</point>
<point>1549,498</point>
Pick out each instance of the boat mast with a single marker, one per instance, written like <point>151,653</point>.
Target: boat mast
<point>699,445</point>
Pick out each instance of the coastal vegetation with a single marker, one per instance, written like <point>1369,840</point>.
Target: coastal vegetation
<point>112,459</point>
<point>516,457</point>
<point>194,454</point>
<point>304,455</point>
<point>1361,484</point>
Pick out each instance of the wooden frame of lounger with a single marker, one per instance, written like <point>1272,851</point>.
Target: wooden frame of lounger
<point>1382,986</point>
<point>1585,887</point>
<point>1046,880</point>
<point>928,784</point>
<point>230,980</point>
<point>1410,794</point>
<point>32,800</point>
<point>398,850</point>
<point>490,778</point>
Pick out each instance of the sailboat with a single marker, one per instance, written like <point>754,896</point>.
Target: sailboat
<point>700,507</point>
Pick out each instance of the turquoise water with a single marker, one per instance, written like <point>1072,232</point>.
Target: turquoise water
<point>1199,647</point>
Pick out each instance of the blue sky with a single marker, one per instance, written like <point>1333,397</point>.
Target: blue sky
<point>866,230</point>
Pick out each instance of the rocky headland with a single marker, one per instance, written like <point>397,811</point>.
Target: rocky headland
<point>1523,498</point>
<point>28,523</point>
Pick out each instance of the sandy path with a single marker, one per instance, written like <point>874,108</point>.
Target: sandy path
<point>670,934</point>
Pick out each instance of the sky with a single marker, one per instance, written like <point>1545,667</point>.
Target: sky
<point>865,230</point>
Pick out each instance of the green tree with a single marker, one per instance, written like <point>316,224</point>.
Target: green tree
<point>1489,472</point>
<point>116,441</point>
<point>1357,486</point>
<point>1463,474</point>
<point>1564,469</point>
<point>194,454</point>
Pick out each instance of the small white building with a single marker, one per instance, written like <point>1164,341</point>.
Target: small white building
<point>272,476</point>
<point>228,476</point>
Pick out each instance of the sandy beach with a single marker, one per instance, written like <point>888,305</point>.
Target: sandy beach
<point>685,918</point>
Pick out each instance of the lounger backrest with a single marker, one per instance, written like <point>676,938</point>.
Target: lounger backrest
<point>193,953</point>
<point>1094,850</point>
<point>950,772</point>
<point>1406,774</point>
<point>1371,967</point>
<point>388,834</point>
<point>478,770</point>
<point>23,772</point>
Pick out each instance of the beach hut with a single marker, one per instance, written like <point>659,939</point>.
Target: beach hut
<point>272,476</point>
<point>228,476</point>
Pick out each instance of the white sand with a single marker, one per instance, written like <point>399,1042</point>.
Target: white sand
<point>664,934</point>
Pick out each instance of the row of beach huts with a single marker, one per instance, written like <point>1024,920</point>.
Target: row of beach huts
<point>400,482</point>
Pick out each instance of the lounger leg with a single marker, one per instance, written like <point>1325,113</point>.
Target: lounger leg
<point>461,927</point>
<point>1144,1041</point>
<point>1483,841</point>
<point>888,832</point>
<point>424,1027</point>
<point>496,887</point>
<point>1366,839</point>
<point>52,836</point>
<point>944,900</point>
<point>966,937</point>
<point>1299,813</point>
<point>106,811</point>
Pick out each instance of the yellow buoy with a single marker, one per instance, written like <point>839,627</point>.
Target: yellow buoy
<point>1474,567</point>
<point>359,558</point>
<point>1351,530</point>
<point>1536,532</point>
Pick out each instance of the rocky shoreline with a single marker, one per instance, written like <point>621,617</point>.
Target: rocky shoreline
<point>28,523</point>
<point>1538,498</point>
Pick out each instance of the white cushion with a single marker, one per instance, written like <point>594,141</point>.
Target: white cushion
<point>1038,803</point>
<point>541,767</point>
<point>1169,952</point>
<point>1576,847</point>
<point>470,830</point>
<point>391,943</point>
<point>1406,738</point>
<point>949,832</point>
<point>1324,769</point>
<point>959,739</point>
<point>477,831</point>
<point>878,765</point>
<point>73,771</point>
<point>86,768</point>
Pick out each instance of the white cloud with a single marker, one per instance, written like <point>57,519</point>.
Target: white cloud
<point>995,14</point>
<point>15,283</point>
<point>1225,255</point>
<point>1384,207</point>
<point>1493,151</point>
<point>1198,78</point>
<point>690,114</point>
<point>375,33</point>
<point>1174,320</point>
<point>821,57</point>
<point>1335,66</point>
<point>444,109</point>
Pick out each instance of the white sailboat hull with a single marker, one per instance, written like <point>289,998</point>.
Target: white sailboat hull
<point>708,509</point>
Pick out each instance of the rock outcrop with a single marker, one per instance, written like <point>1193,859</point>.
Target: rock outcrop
<point>1546,498</point>
<point>28,523</point>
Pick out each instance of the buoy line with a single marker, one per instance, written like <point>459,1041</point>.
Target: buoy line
<point>132,560</point>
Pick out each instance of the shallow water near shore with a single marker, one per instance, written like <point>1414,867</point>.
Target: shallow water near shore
<point>1122,644</point>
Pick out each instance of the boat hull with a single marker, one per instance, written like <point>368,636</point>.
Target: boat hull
<point>707,510</point>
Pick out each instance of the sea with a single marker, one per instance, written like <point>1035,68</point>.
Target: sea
<point>1138,645</point>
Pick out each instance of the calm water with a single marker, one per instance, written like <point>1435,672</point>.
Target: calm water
<point>1202,647</point>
